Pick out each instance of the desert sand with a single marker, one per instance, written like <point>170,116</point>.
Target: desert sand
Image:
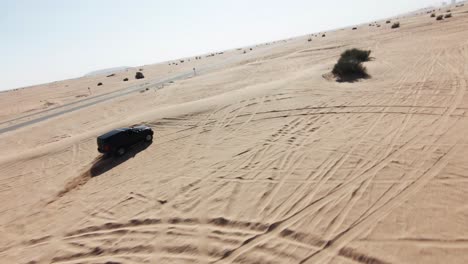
<point>258,158</point>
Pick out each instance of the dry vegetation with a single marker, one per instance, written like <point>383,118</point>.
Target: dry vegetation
<point>349,67</point>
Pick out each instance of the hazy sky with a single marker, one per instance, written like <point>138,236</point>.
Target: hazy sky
<point>44,40</point>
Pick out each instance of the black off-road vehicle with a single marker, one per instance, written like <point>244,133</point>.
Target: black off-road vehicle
<point>119,140</point>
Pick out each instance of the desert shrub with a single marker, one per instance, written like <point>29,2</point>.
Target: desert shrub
<point>349,70</point>
<point>449,15</point>
<point>389,21</point>
<point>440,17</point>
<point>396,25</point>
<point>433,15</point>
<point>349,67</point>
<point>356,54</point>
<point>125,80</point>
<point>139,75</point>
<point>99,84</point>
<point>324,35</point>
<point>309,40</point>
<point>354,28</point>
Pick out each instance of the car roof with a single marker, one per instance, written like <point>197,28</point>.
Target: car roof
<point>113,132</point>
<point>140,127</point>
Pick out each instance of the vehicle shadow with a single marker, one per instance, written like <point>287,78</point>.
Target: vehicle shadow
<point>106,163</point>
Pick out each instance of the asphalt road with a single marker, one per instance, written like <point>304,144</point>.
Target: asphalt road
<point>80,104</point>
<point>83,103</point>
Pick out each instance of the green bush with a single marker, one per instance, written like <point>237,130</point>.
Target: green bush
<point>349,67</point>
<point>356,54</point>
<point>349,70</point>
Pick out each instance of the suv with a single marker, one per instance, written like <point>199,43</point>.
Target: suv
<point>118,140</point>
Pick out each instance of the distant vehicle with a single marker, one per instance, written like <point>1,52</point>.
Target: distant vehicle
<point>119,140</point>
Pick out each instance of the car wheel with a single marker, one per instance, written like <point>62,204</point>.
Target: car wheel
<point>120,151</point>
<point>148,138</point>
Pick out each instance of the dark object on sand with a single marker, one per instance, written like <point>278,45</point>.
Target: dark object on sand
<point>117,141</point>
<point>139,75</point>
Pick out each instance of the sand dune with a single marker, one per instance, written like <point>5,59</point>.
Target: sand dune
<point>256,159</point>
